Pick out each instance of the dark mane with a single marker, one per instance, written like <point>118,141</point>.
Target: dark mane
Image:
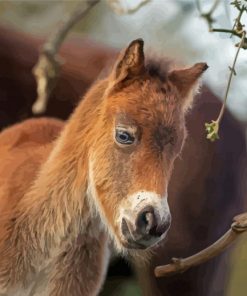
<point>158,67</point>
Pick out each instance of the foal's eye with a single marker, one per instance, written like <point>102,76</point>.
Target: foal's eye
<point>124,137</point>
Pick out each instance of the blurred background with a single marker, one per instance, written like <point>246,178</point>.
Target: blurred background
<point>173,28</point>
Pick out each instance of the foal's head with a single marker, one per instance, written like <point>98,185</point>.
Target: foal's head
<point>140,130</point>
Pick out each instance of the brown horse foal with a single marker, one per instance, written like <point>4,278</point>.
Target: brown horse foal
<point>65,191</point>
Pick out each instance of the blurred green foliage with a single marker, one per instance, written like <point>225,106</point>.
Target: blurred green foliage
<point>238,276</point>
<point>118,286</point>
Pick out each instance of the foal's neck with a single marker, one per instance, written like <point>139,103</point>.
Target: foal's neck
<point>56,207</point>
<point>55,210</point>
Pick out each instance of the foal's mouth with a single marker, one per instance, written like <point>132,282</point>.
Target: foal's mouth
<point>133,245</point>
<point>142,242</point>
<point>141,245</point>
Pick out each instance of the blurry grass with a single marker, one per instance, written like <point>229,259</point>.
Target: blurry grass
<point>130,288</point>
<point>237,285</point>
<point>118,286</point>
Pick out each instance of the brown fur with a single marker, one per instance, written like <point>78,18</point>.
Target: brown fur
<point>198,197</point>
<point>52,217</point>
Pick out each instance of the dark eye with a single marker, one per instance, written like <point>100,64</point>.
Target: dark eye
<point>124,137</point>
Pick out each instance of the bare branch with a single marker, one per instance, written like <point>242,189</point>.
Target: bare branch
<point>212,128</point>
<point>232,32</point>
<point>237,20</point>
<point>178,265</point>
<point>118,9</point>
<point>48,66</point>
<point>232,72</point>
<point>208,15</point>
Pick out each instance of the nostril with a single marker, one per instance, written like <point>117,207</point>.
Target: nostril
<point>153,231</point>
<point>146,221</point>
<point>150,222</point>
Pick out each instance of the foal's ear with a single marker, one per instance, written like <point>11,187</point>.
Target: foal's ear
<point>130,62</point>
<point>186,81</point>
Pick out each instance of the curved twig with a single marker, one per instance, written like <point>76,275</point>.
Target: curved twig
<point>178,265</point>
<point>208,15</point>
<point>212,128</point>
<point>47,68</point>
<point>118,9</point>
<point>232,72</point>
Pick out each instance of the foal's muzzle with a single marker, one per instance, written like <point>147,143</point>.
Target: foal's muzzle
<point>145,228</point>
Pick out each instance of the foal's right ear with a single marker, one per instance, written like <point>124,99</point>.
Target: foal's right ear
<point>130,62</point>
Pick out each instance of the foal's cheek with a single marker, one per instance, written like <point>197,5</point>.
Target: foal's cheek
<point>119,172</point>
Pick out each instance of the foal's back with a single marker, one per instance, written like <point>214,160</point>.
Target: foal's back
<point>23,149</point>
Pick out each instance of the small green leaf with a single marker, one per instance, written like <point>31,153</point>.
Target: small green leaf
<point>212,130</point>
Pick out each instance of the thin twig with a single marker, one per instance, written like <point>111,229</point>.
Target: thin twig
<point>239,5</point>
<point>118,9</point>
<point>212,128</point>
<point>207,15</point>
<point>232,72</point>
<point>238,226</point>
<point>198,5</point>
<point>237,20</point>
<point>48,66</point>
<point>214,6</point>
<point>232,32</point>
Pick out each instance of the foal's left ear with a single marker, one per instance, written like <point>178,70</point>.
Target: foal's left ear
<point>130,62</point>
<point>186,81</point>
